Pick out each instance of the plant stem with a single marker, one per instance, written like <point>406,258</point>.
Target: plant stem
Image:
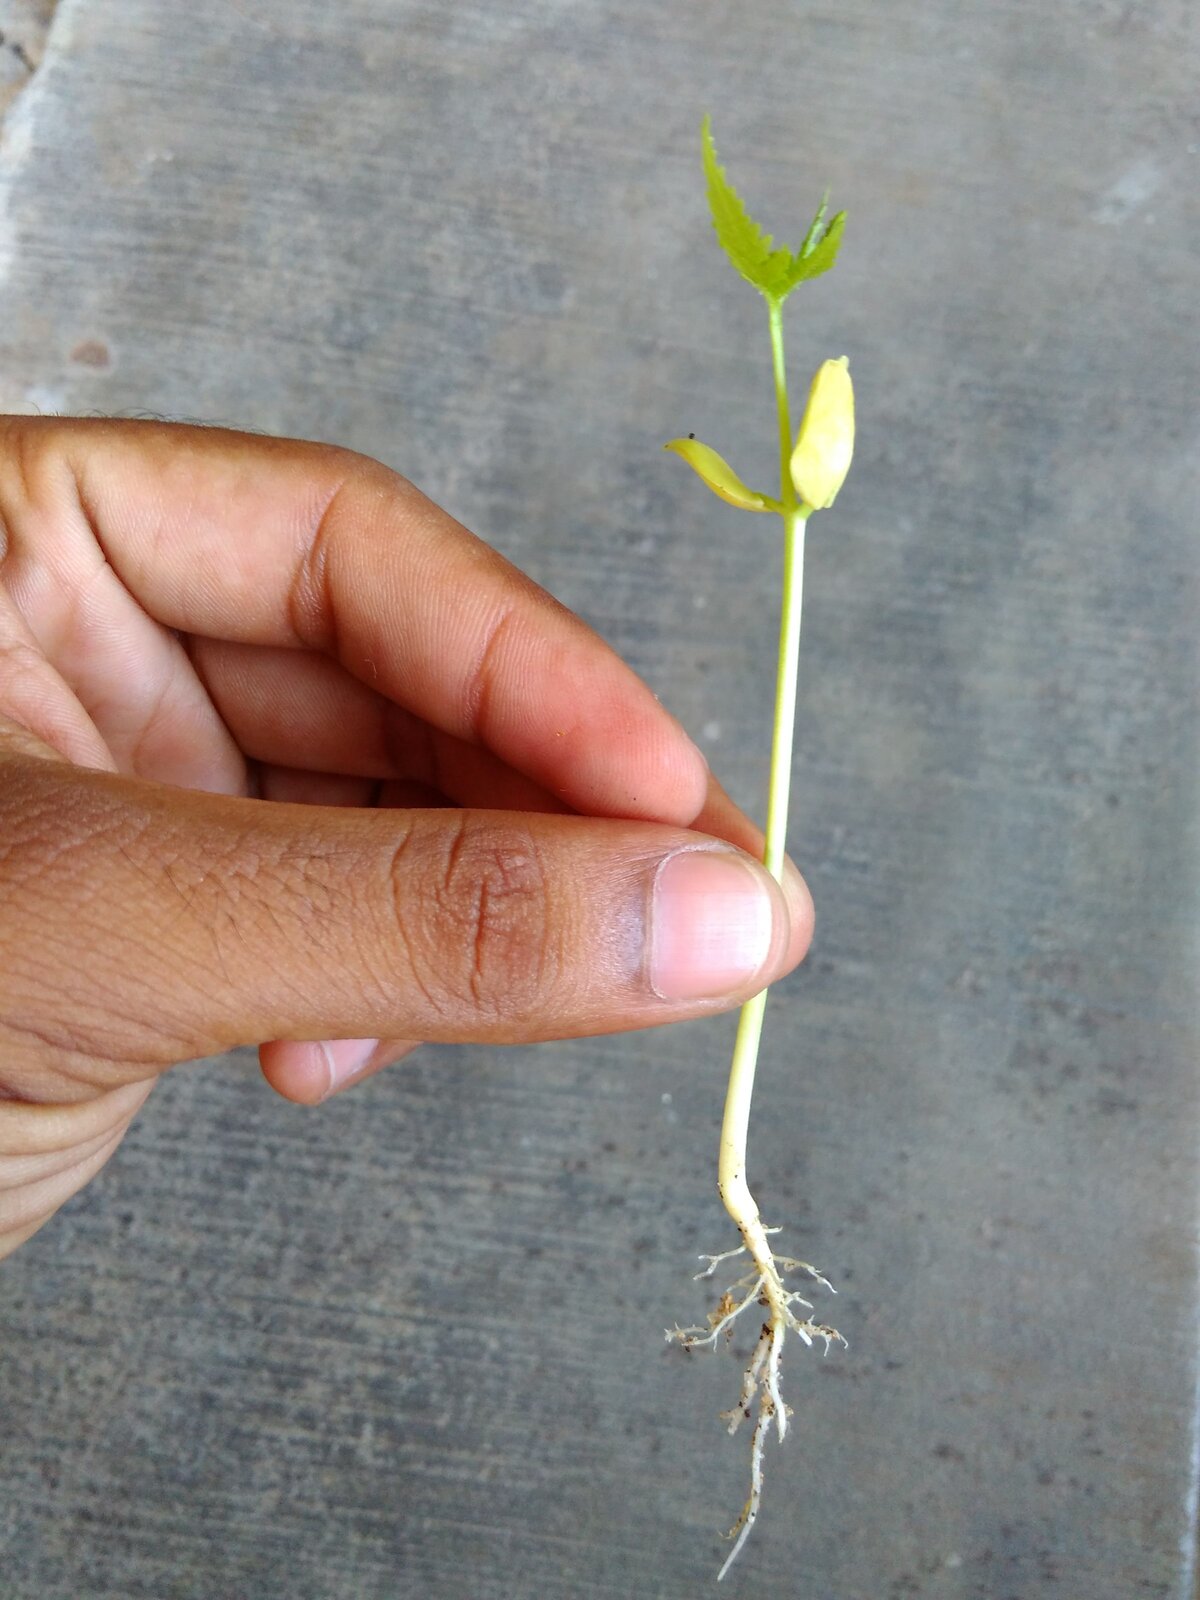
<point>787,491</point>
<point>731,1168</point>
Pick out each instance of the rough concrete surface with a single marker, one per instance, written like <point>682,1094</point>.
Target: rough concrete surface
<point>411,1345</point>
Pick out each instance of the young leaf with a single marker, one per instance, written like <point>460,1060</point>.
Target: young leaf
<point>818,256</point>
<point>719,475</point>
<point>812,237</point>
<point>774,272</point>
<point>743,241</point>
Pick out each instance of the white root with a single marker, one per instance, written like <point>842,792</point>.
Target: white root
<point>738,1250</point>
<point>763,1287</point>
<point>740,1531</point>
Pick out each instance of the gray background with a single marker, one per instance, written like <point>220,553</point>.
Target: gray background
<point>276,1353</point>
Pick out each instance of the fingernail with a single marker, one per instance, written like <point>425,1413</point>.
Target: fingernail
<point>345,1057</point>
<point>711,925</point>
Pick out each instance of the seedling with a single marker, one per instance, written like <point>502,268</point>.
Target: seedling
<point>813,467</point>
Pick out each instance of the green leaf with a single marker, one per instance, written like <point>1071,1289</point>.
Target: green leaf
<point>720,476</point>
<point>774,272</point>
<point>812,237</point>
<point>818,257</point>
<point>743,241</point>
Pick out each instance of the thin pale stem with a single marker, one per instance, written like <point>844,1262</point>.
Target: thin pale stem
<point>787,491</point>
<point>731,1173</point>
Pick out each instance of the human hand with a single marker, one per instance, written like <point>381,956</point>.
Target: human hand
<point>288,757</point>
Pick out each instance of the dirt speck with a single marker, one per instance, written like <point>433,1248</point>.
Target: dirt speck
<point>91,353</point>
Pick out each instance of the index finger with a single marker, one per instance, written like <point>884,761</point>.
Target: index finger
<point>282,542</point>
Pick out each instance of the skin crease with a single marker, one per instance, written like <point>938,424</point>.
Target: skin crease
<point>289,758</point>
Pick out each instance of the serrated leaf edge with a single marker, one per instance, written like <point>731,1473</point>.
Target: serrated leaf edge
<point>774,272</point>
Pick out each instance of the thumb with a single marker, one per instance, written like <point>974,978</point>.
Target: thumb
<point>145,925</point>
